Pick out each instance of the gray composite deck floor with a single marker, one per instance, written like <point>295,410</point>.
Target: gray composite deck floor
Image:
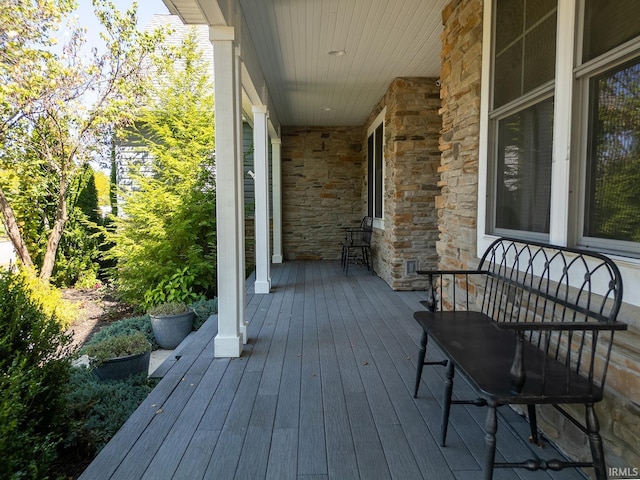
<point>323,390</point>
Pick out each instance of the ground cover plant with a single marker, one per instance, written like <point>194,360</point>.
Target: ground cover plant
<point>97,409</point>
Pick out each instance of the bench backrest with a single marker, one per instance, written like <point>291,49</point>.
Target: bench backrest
<point>576,293</point>
<point>367,228</point>
<point>538,282</point>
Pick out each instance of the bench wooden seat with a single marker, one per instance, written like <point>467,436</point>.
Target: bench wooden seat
<point>532,325</point>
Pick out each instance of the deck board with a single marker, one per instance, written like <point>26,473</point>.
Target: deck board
<point>323,390</point>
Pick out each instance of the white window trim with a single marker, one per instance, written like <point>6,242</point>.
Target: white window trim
<point>564,198</point>
<point>379,222</point>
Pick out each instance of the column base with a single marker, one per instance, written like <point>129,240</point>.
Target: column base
<point>262,286</point>
<point>227,347</point>
<point>243,333</point>
<point>276,259</point>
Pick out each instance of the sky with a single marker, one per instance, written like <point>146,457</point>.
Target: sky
<point>146,9</point>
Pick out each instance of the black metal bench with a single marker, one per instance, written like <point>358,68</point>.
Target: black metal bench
<point>532,325</point>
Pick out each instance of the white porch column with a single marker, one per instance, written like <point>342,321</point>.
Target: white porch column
<point>242,322</point>
<point>228,341</point>
<point>261,165</point>
<point>276,192</point>
<point>562,125</point>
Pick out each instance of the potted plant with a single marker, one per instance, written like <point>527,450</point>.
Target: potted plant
<point>171,323</point>
<point>119,356</point>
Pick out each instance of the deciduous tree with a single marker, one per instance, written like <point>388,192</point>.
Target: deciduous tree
<point>58,104</point>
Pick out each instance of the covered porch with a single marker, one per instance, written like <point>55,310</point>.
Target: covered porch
<point>322,390</point>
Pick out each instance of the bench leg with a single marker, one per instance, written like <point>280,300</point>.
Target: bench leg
<point>491,427</point>
<point>421,354</point>
<point>533,424</point>
<point>595,442</point>
<point>446,402</point>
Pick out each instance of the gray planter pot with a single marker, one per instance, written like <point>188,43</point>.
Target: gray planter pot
<point>170,330</point>
<point>122,367</point>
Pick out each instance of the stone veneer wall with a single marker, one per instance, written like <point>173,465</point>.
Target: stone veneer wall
<point>321,186</point>
<point>460,76</point>
<point>619,412</point>
<point>412,130</point>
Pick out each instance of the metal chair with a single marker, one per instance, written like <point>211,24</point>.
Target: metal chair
<point>358,239</point>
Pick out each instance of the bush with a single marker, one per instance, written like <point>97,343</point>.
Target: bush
<point>79,250</point>
<point>203,309</point>
<point>48,298</point>
<point>169,220</point>
<point>34,373</point>
<point>169,308</point>
<point>124,327</point>
<point>174,290</point>
<point>97,409</point>
<point>120,346</point>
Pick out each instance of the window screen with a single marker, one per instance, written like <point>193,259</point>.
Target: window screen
<point>523,177</point>
<point>613,159</point>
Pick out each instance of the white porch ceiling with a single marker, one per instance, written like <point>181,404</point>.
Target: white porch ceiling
<point>383,39</point>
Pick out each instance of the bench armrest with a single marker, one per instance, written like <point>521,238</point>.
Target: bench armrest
<point>560,326</point>
<point>518,375</point>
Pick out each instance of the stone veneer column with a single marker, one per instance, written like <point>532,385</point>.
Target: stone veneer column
<point>460,76</point>
<point>412,130</point>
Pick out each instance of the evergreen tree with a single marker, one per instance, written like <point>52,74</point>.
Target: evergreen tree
<point>168,219</point>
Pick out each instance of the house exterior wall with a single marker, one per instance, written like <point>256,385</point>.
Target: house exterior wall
<point>460,76</point>
<point>618,413</point>
<point>324,175</point>
<point>412,158</point>
<point>321,189</point>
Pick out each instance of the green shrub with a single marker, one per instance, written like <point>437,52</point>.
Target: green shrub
<point>48,298</point>
<point>203,309</point>
<point>97,409</point>
<point>119,346</point>
<point>168,308</point>
<point>174,290</point>
<point>77,257</point>
<point>34,372</point>
<point>169,220</point>
<point>124,327</point>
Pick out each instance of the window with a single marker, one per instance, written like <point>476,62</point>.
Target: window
<point>523,174</point>
<point>609,82</point>
<point>612,193</point>
<point>565,82</point>
<point>522,116</point>
<point>375,170</point>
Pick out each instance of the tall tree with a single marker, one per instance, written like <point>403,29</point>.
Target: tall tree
<point>57,105</point>
<point>168,222</point>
